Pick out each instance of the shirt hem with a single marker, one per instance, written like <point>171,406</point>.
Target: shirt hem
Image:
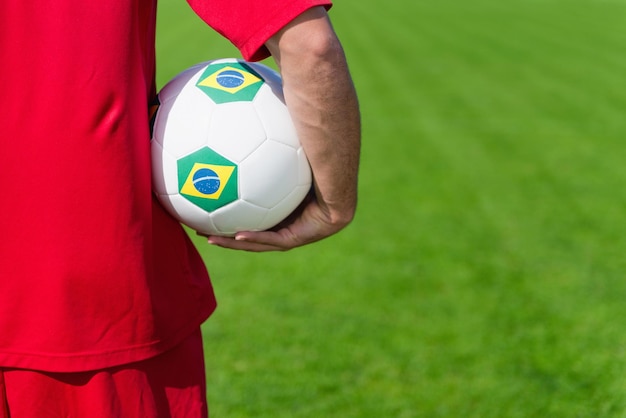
<point>83,362</point>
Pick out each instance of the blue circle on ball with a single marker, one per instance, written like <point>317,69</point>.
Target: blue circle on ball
<point>206,181</point>
<point>230,79</point>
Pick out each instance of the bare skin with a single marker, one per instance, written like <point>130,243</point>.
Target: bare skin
<point>323,104</point>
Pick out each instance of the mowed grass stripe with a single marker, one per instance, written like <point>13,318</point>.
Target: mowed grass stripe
<point>568,76</point>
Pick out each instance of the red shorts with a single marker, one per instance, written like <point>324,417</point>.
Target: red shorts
<point>170,385</point>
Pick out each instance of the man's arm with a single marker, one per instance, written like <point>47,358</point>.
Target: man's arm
<point>323,105</point>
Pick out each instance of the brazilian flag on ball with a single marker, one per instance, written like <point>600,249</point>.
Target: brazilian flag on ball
<point>207,179</point>
<point>230,82</point>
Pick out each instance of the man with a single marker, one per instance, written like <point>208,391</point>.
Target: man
<point>101,292</point>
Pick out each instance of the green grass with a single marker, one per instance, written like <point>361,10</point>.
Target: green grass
<point>484,273</point>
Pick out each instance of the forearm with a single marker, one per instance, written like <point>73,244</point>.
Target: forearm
<point>323,104</point>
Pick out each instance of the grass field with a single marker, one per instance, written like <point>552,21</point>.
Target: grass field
<point>484,275</point>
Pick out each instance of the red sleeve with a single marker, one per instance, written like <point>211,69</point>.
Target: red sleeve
<point>249,24</point>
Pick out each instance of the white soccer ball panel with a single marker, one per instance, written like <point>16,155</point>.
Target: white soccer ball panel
<point>164,172</point>
<point>269,174</point>
<point>190,214</point>
<point>285,207</point>
<point>304,174</point>
<point>276,118</point>
<point>182,125</point>
<point>239,216</point>
<point>236,130</point>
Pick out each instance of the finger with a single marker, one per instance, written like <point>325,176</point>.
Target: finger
<point>242,244</point>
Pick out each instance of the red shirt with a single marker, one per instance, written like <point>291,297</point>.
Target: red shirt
<point>93,273</point>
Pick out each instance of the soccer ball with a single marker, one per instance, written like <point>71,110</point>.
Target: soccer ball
<point>225,154</point>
